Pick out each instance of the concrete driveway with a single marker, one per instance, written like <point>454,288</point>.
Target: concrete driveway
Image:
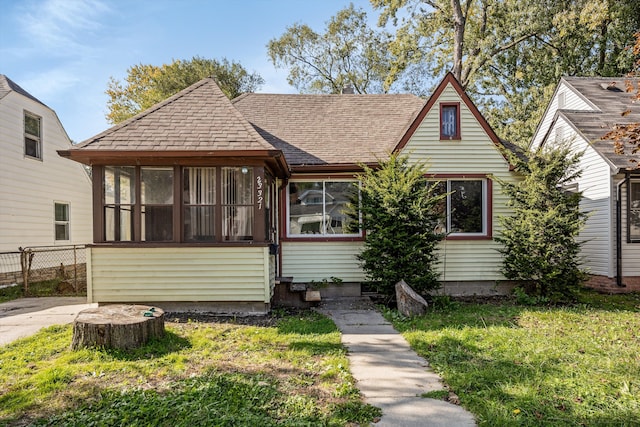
<point>25,316</point>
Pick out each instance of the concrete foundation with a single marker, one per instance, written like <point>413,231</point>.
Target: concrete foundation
<point>479,288</point>
<point>222,308</point>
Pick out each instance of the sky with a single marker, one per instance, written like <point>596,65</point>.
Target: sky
<point>63,52</point>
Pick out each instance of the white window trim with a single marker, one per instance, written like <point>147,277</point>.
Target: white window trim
<point>26,135</point>
<point>485,204</point>
<point>56,222</point>
<point>323,235</point>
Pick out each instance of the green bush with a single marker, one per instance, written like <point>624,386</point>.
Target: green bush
<point>399,210</point>
<point>539,239</point>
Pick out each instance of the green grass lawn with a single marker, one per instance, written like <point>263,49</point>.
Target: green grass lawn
<point>514,365</point>
<point>45,288</point>
<point>293,372</point>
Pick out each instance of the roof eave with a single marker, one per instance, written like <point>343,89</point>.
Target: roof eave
<point>332,168</point>
<point>274,158</point>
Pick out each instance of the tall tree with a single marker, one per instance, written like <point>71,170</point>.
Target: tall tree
<point>146,85</point>
<point>347,53</point>
<point>508,54</point>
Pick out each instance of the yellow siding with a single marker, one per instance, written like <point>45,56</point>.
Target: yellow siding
<point>179,274</point>
<point>475,153</point>
<point>307,261</point>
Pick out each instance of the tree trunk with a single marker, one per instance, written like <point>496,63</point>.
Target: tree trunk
<point>117,326</point>
<point>459,21</point>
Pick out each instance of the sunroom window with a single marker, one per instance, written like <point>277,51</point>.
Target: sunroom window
<point>195,204</point>
<point>237,203</point>
<point>199,204</point>
<point>156,202</point>
<point>319,208</point>
<point>465,206</point>
<point>119,202</point>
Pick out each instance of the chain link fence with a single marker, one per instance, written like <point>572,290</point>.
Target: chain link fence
<point>40,263</point>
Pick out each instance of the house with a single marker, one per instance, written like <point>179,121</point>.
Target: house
<point>203,200</point>
<point>581,112</point>
<point>45,200</point>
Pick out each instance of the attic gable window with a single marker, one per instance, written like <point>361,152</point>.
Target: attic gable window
<point>450,121</point>
<point>32,136</point>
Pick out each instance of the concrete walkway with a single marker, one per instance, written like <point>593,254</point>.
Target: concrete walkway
<point>389,374</point>
<point>26,316</point>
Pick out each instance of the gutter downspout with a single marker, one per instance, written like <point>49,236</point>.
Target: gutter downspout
<point>619,229</point>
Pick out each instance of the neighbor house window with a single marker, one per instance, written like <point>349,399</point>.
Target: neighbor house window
<point>634,211</point>
<point>450,120</point>
<point>32,135</point>
<point>559,137</point>
<point>61,217</point>
<point>561,100</point>
<point>465,207</point>
<point>119,203</point>
<point>156,203</point>
<point>199,197</point>
<point>319,208</point>
<point>237,203</point>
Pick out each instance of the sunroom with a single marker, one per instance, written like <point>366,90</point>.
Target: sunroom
<point>185,200</point>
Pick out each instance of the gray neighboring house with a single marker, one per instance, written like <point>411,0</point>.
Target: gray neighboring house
<point>581,112</point>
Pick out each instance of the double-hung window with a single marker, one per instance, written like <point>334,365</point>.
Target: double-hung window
<point>466,206</point>
<point>61,217</point>
<point>32,135</point>
<point>319,208</point>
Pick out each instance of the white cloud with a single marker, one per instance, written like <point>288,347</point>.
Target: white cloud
<point>62,25</point>
<point>51,83</point>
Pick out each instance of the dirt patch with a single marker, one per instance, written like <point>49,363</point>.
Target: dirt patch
<point>270,319</point>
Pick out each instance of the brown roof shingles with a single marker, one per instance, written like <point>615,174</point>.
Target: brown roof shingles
<point>330,129</point>
<point>610,104</point>
<point>200,117</point>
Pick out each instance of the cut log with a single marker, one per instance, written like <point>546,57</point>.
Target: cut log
<point>117,326</point>
<point>409,302</point>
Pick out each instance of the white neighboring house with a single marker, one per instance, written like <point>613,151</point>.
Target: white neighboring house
<point>581,112</point>
<point>45,200</point>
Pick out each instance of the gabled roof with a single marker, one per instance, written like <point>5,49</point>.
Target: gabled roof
<point>330,130</point>
<point>450,79</point>
<point>7,85</point>
<point>610,100</point>
<point>199,118</point>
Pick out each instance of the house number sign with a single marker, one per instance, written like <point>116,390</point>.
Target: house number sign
<point>259,191</point>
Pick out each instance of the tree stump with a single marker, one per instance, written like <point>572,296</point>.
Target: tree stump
<point>409,302</point>
<point>117,326</point>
